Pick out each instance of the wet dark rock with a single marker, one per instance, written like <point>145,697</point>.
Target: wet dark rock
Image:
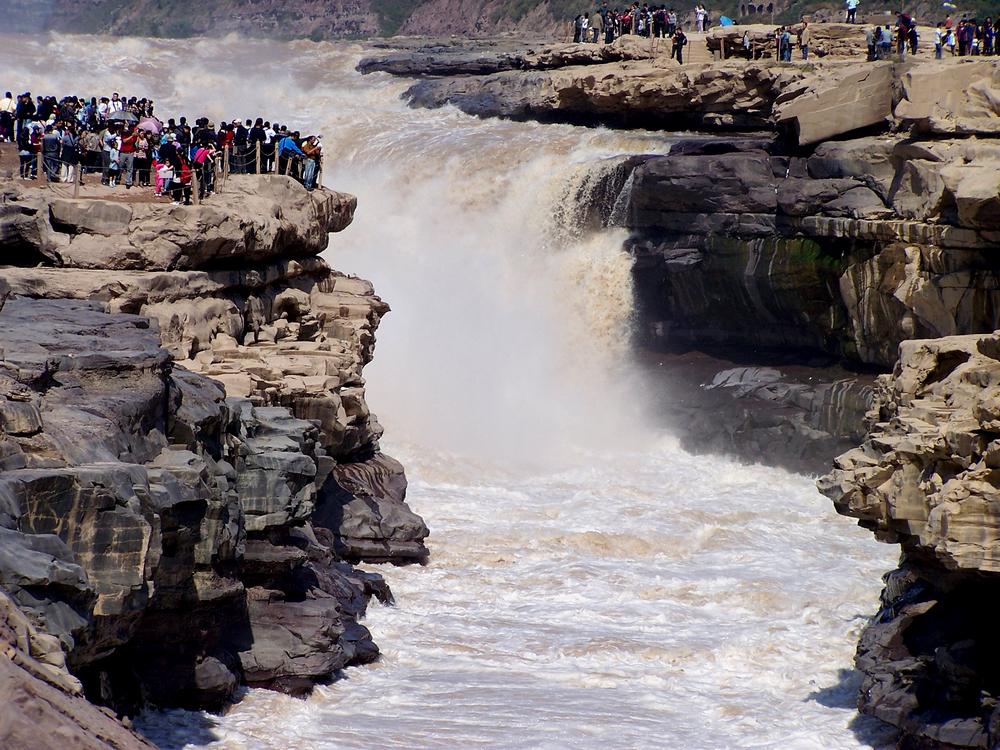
<point>777,411</point>
<point>292,643</point>
<point>833,254</point>
<point>110,543</point>
<point>362,503</point>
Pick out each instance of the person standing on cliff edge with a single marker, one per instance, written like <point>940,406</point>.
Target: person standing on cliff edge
<point>805,36</point>
<point>51,147</point>
<point>852,11</point>
<point>596,26</point>
<point>680,40</point>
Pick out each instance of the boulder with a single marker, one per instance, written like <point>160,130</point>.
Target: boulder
<point>942,98</point>
<point>363,504</point>
<point>293,643</point>
<point>824,106</point>
<point>90,217</point>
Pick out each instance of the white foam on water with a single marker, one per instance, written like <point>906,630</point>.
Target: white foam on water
<point>647,599</point>
<point>591,585</point>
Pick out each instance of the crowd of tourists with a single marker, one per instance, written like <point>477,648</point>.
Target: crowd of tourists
<point>656,21</point>
<point>967,37</point>
<point>121,139</point>
<point>651,21</point>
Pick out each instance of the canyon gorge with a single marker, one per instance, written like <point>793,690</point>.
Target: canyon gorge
<point>849,214</point>
<point>611,277</point>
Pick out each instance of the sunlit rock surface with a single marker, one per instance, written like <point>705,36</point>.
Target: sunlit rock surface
<point>178,386</point>
<point>926,478</point>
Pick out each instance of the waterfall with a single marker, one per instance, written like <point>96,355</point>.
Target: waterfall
<point>591,585</point>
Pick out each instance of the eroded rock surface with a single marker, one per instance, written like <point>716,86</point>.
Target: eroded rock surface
<point>449,58</point>
<point>847,251</point>
<point>926,478</point>
<point>42,704</point>
<point>730,95</point>
<point>807,103</point>
<point>255,220</point>
<point>169,419</point>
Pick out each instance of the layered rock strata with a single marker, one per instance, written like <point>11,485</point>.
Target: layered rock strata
<point>846,251</point>
<point>184,438</point>
<point>876,251</point>
<point>841,251</point>
<point>926,478</point>
<point>806,102</point>
<point>449,58</point>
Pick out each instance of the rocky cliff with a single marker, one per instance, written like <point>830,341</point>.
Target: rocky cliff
<point>184,439</point>
<point>926,478</point>
<point>866,250</point>
<point>806,103</point>
<point>831,257</point>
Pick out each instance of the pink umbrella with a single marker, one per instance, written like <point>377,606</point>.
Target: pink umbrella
<point>151,124</point>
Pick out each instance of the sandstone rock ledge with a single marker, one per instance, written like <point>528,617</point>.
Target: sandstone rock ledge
<point>927,478</point>
<point>865,250</point>
<point>475,57</point>
<point>806,102</point>
<point>188,467</point>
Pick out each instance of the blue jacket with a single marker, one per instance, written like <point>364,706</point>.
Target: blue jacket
<point>288,144</point>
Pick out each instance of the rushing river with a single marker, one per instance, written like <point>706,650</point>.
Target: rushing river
<point>591,585</point>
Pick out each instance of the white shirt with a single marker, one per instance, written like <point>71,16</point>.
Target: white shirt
<point>7,105</point>
<point>117,106</point>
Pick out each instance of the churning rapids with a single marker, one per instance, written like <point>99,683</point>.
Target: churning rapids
<point>591,584</point>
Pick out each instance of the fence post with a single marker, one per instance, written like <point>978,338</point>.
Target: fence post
<point>225,162</point>
<point>40,166</point>
<point>195,189</point>
<point>288,166</point>
<point>77,176</point>
<point>257,157</point>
